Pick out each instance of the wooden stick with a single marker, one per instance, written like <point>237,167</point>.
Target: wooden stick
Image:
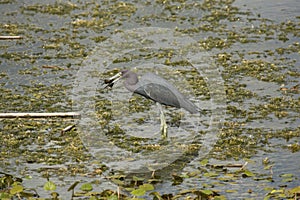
<point>234,165</point>
<point>68,128</point>
<point>8,37</point>
<point>244,165</point>
<point>52,67</point>
<point>227,165</point>
<point>40,115</point>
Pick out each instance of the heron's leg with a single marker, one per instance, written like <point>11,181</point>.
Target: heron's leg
<point>163,124</point>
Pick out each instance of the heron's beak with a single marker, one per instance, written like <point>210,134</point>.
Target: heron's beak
<point>112,80</point>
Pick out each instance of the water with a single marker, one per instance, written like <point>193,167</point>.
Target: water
<point>245,55</point>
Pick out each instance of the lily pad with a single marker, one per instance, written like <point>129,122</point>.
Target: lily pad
<point>49,186</point>
<point>86,187</point>
<point>16,189</point>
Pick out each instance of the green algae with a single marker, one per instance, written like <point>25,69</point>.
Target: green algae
<point>58,8</point>
<point>19,134</point>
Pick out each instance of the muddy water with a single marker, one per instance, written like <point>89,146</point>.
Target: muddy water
<point>238,60</point>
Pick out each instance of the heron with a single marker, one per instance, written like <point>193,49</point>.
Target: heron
<point>156,88</point>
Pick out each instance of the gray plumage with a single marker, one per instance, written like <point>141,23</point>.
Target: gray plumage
<point>157,89</point>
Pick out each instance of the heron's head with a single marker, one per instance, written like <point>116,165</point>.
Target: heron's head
<point>130,77</point>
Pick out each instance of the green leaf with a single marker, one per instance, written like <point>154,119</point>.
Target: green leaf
<point>54,195</point>
<point>138,192</point>
<point>204,162</point>
<point>112,197</point>
<point>295,190</point>
<point>135,178</point>
<point>5,196</point>
<point>146,187</point>
<point>49,186</point>
<point>210,174</point>
<point>129,189</point>
<point>230,191</point>
<point>156,195</point>
<point>248,173</point>
<point>287,180</point>
<point>86,187</point>
<point>117,181</point>
<point>207,192</point>
<point>220,198</point>
<point>268,167</point>
<point>287,175</point>
<point>16,189</point>
<point>185,175</point>
<point>268,189</point>
<point>28,177</point>
<point>276,191</point>
<point>267,198</point>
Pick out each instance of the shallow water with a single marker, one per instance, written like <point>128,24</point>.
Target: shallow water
<point>238,60</point>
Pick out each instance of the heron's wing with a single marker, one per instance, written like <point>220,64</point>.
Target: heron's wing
<point>158,93</point>
<point>160,90</point>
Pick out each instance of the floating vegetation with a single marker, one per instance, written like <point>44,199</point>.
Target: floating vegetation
<point>35,97</point>
<point>58,8</point>
<point>261,124</point>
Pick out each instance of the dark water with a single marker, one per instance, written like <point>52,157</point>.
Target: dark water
<point>247,53</point>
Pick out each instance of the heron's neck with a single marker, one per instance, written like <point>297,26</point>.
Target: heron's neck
<point>132,79</point>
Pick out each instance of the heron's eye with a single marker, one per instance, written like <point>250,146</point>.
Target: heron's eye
<point>107,81</point>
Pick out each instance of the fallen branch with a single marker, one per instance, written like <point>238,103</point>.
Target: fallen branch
<point>40,115</point>
<point>228,165</point>
<point>244,165</point>
<point>8,37</point>
<point>68,128</point>
<point>52,67</point>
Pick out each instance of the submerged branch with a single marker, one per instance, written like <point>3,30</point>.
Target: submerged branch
<point>8,37</point>
<point>40,115</point>
<point>68,128</point>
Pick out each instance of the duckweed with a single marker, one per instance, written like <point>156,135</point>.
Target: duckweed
<point>67,42</point>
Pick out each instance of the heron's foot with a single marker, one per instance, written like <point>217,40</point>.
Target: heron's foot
<point>153,174</point>
<point>163,130</point>
<point>163,124</point>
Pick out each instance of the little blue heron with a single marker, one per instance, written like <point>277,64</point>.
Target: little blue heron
<point>155,88</point>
